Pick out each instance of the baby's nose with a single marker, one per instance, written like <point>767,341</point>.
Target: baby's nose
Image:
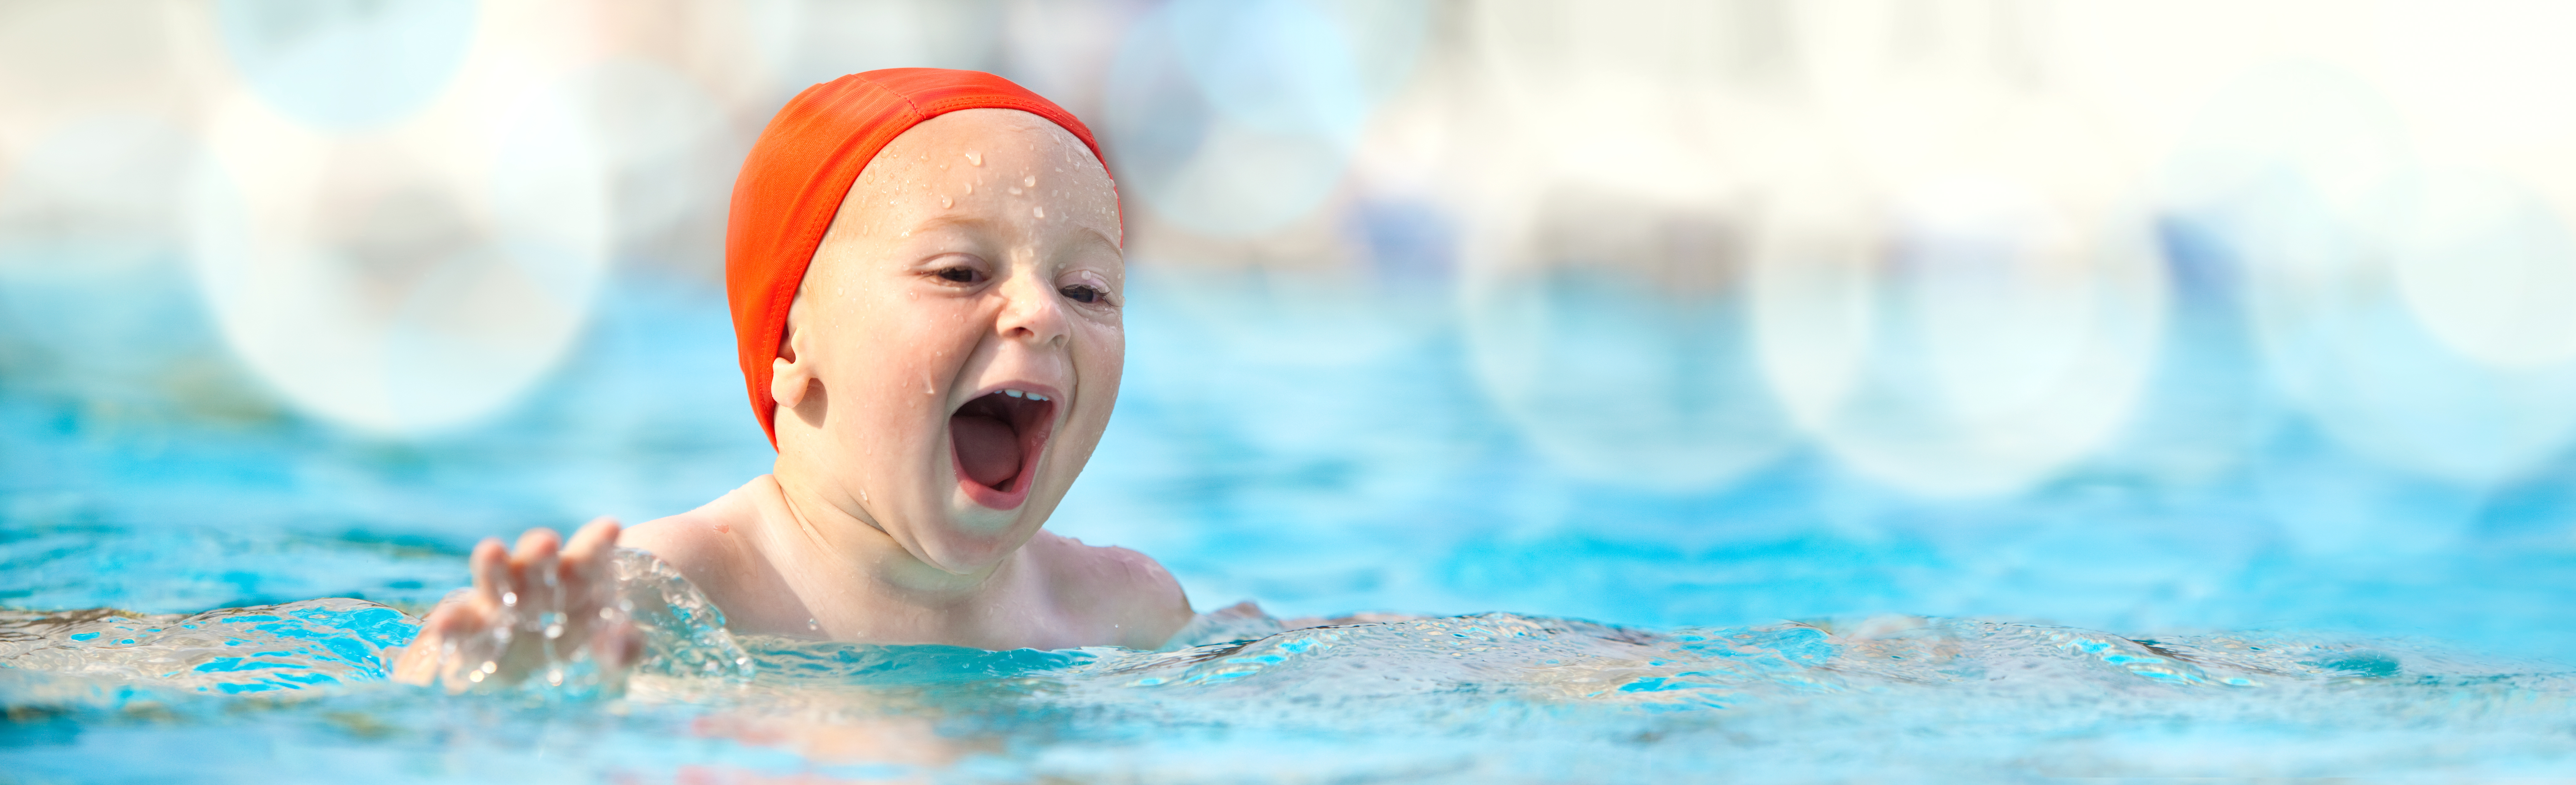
<point>1032,312</point>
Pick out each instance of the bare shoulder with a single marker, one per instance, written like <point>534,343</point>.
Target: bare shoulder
<point>1124,594</point>
<point>701,543</point>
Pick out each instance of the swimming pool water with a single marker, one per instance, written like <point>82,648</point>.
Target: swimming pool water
<point>1322,449</point>
<point>1479,698</point>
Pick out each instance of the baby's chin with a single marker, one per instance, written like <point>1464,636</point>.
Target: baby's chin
<point>969,541</point>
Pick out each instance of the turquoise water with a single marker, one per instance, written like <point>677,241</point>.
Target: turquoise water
<point>2219,590</point>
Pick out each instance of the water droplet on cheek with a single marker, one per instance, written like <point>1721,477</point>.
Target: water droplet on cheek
<point>970,186</point>
<point>945,202</point>
<point>974,158</point>
<point>1030,181</point>
<point>1038,211</point>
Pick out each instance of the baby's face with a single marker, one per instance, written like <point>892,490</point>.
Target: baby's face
<point>963,320</point>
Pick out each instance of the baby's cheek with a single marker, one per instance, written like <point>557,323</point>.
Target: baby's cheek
<point>1104,350</point>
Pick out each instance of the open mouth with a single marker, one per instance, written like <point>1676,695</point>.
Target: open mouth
<point>996,440</point>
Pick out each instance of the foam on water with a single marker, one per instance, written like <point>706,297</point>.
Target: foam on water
<point>1463,698</point>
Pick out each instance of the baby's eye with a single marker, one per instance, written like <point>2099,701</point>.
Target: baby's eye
<point>960,275</point>
<point>1082,293</point>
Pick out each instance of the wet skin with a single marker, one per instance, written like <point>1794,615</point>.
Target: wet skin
<point>949,364</point>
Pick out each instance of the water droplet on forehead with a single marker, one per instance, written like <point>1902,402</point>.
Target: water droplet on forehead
<point>975,158</point>
<point>1030,181</point>
<point>1038,211</point>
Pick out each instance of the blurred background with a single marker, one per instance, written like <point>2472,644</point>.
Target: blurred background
<point>2137,316</point>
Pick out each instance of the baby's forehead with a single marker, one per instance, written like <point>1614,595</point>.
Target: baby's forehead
<point>1010,175</point>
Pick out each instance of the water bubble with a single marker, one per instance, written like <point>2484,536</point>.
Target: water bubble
<point>813,625</point>
<point>973,158</point>
<point>554,630</point>
<point>554,677</point>
<point>608,614</point>
<point>509,599</point>
<point>490,667</point>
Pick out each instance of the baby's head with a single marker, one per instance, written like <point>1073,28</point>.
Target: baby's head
<point>951,351</point>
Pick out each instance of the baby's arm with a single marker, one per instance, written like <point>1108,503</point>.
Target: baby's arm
<point>499,631</point>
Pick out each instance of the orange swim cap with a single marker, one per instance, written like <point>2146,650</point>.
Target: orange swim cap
<point>804,163</point>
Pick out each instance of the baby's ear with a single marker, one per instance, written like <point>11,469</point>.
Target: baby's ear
<point>788,377</point>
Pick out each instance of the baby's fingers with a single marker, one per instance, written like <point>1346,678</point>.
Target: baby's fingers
<point>450,619</point>
<point>538,543</point>
<point>491,567</point>
<point>588,553</point>
<point>533,562</point>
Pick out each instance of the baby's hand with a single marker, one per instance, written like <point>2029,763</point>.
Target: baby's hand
<point>529,612</point>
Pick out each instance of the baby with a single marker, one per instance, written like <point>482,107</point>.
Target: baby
<point>926,275</point>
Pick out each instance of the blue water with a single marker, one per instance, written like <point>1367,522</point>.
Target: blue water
<point>1323,448</point>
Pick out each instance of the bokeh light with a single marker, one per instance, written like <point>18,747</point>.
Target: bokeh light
<point>414,276</point>
<point>347,65</point>
<point>1233,119</point>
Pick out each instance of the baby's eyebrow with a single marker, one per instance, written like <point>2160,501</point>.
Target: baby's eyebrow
<point>951,220</point>
<point>945,221</point>
<point>1104,240</point>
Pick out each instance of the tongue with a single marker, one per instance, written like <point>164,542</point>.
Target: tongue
<point>987,448</point>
